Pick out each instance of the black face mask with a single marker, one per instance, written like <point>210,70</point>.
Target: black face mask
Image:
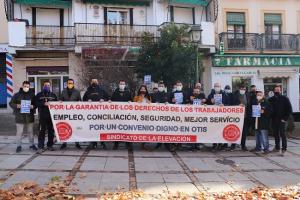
<point>94,84</point>
<point>276,93</point>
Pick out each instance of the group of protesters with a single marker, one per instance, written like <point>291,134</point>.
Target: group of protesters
<point>274,111</point>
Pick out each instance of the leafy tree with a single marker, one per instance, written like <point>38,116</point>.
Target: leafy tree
<point>172,57</point>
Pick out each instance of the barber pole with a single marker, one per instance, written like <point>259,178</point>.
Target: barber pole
<point>9,79</point>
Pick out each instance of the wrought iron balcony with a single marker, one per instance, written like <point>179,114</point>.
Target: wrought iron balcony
<point>259,42</point>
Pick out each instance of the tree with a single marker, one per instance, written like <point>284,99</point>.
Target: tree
<point>172,57</point>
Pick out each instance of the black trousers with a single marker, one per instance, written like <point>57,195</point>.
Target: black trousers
<point>279,133</point>
<point>245,132</point>
<point>45,124</point>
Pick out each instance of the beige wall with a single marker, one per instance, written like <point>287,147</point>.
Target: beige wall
<point>3,24</point>
<point>255,9</point>
<point>20,64</point>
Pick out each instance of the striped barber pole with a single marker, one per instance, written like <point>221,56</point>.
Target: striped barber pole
<point>9,78</point>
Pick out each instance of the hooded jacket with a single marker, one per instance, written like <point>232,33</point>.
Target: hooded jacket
<point>95,94</point>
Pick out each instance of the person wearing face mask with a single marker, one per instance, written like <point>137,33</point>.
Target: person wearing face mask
<point>282,109</point>
<point>42,101</point>
<point>95,93</point>
<point>22,118</point>
<point>179,96</point>
<point>217,97</point>
<point>121,94</point>
<point>241,97</point>
<point>261,112</point>
<point>70,94</point>
<point>160,96</point>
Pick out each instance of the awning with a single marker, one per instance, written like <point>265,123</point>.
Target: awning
<point>120,2</point>
<point>190,2</point>
<point>272,18</point>
<point>48,3</point>
<point>236,18</point>
<point>276,73</point>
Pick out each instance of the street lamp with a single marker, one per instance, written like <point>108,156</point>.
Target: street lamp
<point>195,37</point>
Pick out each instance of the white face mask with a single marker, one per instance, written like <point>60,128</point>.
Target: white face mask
<point>161,89</point>
<point>179,88</point>
<point>25,89</point>
<point>271,94</point>
<point>242,92</point>
<point>217,89</point>
<point>259,98</point>
<point>228,91</point>
<point>121,87</point>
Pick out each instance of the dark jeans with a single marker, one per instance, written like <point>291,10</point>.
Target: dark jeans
<point>245,132</point>
<point>279,132</point>
<point>45,124</point>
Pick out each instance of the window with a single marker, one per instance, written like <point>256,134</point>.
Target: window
<point>236,30</point>
<point>270,83</point>
<point>237,81</point>
<point>273,30</point>
<point>117,17</point>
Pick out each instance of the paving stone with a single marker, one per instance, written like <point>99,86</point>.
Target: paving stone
<point>93,163</point>
<point>12,161</point>
<point>149,178</point>
<point>86,183</point>
<point>52,162</point>
<point>253,163</point>
<point>176,178</point>
<point>187,188</point>
<point>195,164</point>
<point>288,161</point>
<point>116,164</point>
<point>152,188</point>
<point>208,177</point>
<point>242,185</point>
<point>160,153</point>
<point>233,176</point>
<point>215,187</point>
<point>108,186</point>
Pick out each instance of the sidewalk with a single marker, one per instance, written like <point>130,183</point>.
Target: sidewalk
<point>90,172</point>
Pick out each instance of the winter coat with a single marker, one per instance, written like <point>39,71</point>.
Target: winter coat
<point>282,108</point>
<point>264,119</point>
<point>75,95</point>
<point>40,99</point>
<point>185,97</point>
<point>211,96</point>
<point>159,97</point>
<point>95,94</point>
<point>23,118</point>
<point>121,96</point>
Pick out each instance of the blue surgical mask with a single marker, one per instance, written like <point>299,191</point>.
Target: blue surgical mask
<point>46,88</point>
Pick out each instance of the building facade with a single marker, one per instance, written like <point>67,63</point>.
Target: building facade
<point>55,40</point>
<point>259,44</point>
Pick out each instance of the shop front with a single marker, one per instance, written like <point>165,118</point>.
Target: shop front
<point>264,71</point>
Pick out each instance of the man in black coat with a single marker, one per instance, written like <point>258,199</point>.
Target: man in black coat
<point>241,97</point>
<point>95,93</point>
<point>160,96</point>
<point>24,118</point>
<point>282,109</point>
<point>121,94</point>
<point>45,122</point>
<point>70,94</point>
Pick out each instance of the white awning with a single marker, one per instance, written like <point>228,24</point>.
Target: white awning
<point>276,73</point>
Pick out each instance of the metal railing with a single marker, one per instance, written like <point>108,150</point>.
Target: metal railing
<point>88,33</point>
<point>122,34</point>
<point>50,36</point>
<point>259,42</point>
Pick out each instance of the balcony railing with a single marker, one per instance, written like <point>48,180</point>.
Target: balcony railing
<point>260,42</point>
<point>50,36</point>
<point>88,33</point>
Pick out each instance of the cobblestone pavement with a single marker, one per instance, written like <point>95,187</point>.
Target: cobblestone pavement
<point>90,172</point>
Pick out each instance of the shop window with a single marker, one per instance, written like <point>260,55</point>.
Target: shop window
<point>239,80</point>
<point>270,83</point>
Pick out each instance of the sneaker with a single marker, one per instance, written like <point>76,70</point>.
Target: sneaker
<point>19,149</point>
<point>50,148</point>
<point>33,147</point>
<point>103,145</point>
<point>63,146</point>
<point>40,151</point>
<point>244,149</point>
<point>283,151</point>
<point>275,150</point>
<point>78,146</point>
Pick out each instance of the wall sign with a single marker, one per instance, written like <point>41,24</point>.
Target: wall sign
<point>255,61</point>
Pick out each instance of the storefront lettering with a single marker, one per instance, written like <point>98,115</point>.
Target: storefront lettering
<point>248,61</point>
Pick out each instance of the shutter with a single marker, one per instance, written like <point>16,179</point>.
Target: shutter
<point>272,19</point>
<point>131,16</point>
<point>234,18</point>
